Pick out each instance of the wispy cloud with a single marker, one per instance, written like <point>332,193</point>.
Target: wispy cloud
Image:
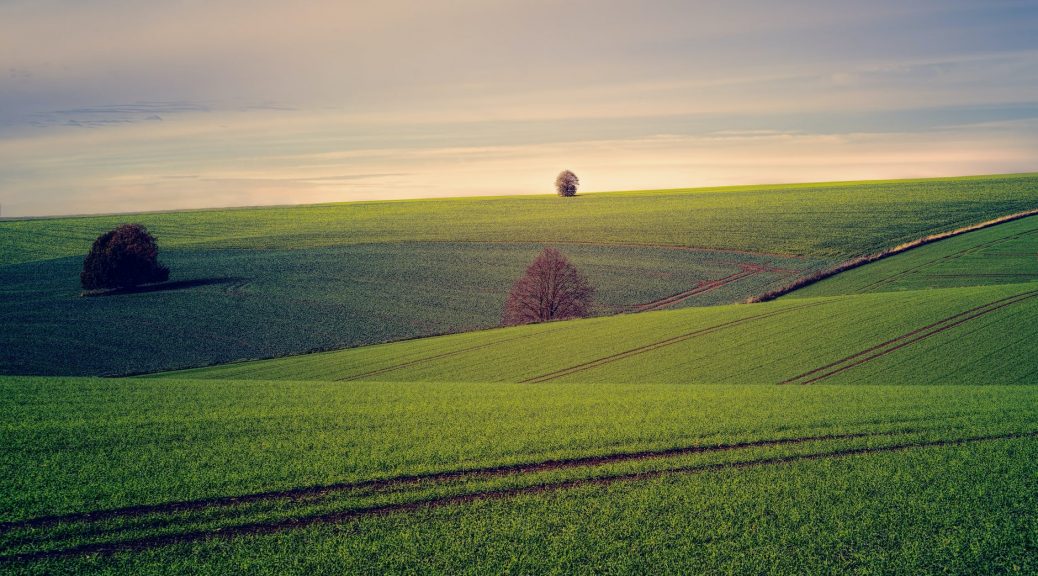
<point>108,105</point>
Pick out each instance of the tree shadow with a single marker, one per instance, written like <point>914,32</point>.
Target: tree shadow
<point>165,286</point>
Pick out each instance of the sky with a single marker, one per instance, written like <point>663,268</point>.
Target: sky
<point>133,105</point>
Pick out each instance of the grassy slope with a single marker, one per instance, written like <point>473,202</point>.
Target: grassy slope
<point>277,281</point>
<point>1007,253</point>
<point>83,445</point>
<point>80,444</point>
<point>89,445</point>
<point>827,220</point>
<point>770,349</point>
<point>949,510</point>
<point>256,304</point>
<point>982,346</point>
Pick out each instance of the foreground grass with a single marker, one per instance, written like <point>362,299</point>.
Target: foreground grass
<point>76,445</point>
<point>949,510</point>
<point>928,485</point>
<point>974,335</point>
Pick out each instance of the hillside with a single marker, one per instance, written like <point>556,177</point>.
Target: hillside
<point>1003,254</point>
<point>268,282</point>
<point>893,429</point>
<point>829,220</point>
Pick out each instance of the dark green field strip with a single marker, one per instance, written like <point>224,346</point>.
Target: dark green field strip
<point>243,304</point>
<point>660,344</point>
<point>894,344</point>
<point>45,550</point>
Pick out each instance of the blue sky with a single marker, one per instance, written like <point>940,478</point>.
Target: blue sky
<point>110,105</point>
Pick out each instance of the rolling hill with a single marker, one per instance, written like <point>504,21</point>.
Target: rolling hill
<point>269,282</point>
<point>884,420</point>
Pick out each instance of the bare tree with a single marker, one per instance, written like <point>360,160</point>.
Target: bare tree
<point>566,183</point>
<point>551,289</point>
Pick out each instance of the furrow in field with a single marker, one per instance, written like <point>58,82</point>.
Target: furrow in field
<point>275,526</point>
<point>442,355</point>
<point>884,348</point>
<point>703,287</point>
<point>660,344</point>
<point>432,477</point>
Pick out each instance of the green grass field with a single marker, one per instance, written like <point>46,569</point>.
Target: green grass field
<point>192,463</point>
<point>269,282</point>
<point>882,421</point>
<point>264,303</point>
<point>1003,254</point>
<point>829,220</point>
<point>958,335</point>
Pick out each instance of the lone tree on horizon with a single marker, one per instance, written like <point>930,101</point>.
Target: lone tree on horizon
<point>566,183</point>
<point>551,289</point>
<point>123,258</point>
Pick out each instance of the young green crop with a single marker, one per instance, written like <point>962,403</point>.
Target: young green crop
<point>1002,254</point>
<point>828,220</point>
<point>84,444</point>
<point>960,510</point>
<point>952,336</point>
<point>935,451</point>
<point>269,282</point>
<point>235,304</point>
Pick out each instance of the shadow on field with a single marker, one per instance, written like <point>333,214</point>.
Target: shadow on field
<point>165,286</point>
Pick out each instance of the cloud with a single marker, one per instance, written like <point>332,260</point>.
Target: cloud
<point>308,97</point>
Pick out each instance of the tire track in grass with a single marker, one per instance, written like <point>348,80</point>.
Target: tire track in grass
<point>442,355</point>
<point>894,344</point>
<point>660,344</point>
<point>747,271</point>
<point>433,477</point>
<point>276,526</point>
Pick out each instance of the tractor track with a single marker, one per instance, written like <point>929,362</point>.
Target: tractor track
<point>659,344</point>
<point>275,526</point>
<point>746,271</point>
<point>432,477</point>
<point>442,355</point>
<point>884,348</point>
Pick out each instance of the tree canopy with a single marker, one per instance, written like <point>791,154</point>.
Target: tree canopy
<point>551,289</point>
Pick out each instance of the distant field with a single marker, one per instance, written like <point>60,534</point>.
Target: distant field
<point>1003,254</point>
<point>170,469</point>
<point>263,303</point>
<point>973,334</point>
<point>263,282</point>
<point>829,220</point>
